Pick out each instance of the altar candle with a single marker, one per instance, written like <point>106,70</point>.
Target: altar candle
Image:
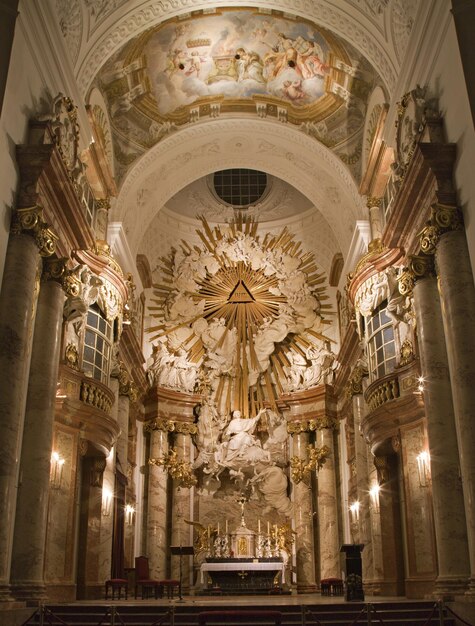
<point>268,527</point>
<point>209,532</point>
<point>226,526</point>
<point>218,528</point>
<point>259,526</point>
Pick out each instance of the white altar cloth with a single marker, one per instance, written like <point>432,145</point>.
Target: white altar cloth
<point>235,566</point>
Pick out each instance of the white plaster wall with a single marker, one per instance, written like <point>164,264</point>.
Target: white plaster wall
<point>448,83</point>
<point>25,88</point>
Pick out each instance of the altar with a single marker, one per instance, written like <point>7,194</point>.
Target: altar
<point>242,575</point>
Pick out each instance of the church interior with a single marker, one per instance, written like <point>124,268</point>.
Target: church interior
<point>237,307</point>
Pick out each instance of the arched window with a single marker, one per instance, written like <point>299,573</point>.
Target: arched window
<point>380,339</point>
<point>97,345</point>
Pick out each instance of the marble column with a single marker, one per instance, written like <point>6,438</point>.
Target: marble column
<point>122,445</point>
<point>362,487</point>
<point>89,542</point>
<point>377,573</point>
<point>17,313</point>
<point>375,221</point>
<point>180,535</point>
<point>458,308</point>
<point>328,509</point>
<point>27,578</point>
<point>447,494</point>
<point>303,516</point>
<point>156,538</point>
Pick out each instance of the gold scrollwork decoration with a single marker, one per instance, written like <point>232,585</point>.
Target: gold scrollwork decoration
<point>169,426</point>
<point>54,269</point>
<point>355,381</point>
<point>301,468</point>
<point>422,265</point>
<point>30,220</point>
<point>181,471</point>
<point>446,217</point>
<point>72,356</point>
<point>406,353</point>
<point>406,282</point>
<point>429,238</point>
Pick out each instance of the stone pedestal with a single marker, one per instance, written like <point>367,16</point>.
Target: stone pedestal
<point>32,501</point>
<point>447,495</point>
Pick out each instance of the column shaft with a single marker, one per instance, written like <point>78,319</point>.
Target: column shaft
<point>362,487</point>
<point>157,506</point>
<point>327,509</point>
<point>32,500</point>
<point>303,515</point>
<point>458,309</point>
<point>17,311</point>
<point>180,512</point>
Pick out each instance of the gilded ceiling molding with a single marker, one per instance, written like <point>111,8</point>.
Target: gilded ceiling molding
<point>153,13</point>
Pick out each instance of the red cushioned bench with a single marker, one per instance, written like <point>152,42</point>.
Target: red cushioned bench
<point>239,617</point>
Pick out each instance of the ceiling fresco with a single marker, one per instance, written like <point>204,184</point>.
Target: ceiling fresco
<point>236,61</point>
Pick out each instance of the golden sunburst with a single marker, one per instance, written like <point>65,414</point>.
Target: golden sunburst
<point>243,289</point>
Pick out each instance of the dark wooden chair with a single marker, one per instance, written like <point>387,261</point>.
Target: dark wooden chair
<point>116,585</point>
<point>331,587</point>
<point>170,584</point>
<point>143,580</point>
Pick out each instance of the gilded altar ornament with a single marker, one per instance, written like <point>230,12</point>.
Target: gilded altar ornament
<point>301,468</point>
<point>178,470</point>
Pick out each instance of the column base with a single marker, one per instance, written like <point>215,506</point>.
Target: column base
<point>446,589</point>
<point>307,588</point>
<point>470,592</point>
<point>5,594</point>
<point>31,593</point>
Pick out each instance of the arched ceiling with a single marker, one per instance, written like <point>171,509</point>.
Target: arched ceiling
<point>182,88</point>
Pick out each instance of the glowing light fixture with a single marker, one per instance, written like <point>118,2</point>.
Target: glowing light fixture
<point>56,470</point>
<point>423,468</point>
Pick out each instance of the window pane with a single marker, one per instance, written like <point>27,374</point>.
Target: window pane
<point>388,334</point>
<point>390,349</point>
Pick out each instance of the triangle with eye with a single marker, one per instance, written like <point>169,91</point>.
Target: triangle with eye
<point>240,294</point>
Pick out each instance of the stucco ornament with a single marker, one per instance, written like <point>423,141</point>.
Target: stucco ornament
<point>234,315</point>
<point>232,319</point>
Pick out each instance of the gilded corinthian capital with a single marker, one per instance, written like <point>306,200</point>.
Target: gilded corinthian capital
<point>29,220</point>
<point>420,266</point>
<point>446,217</point>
